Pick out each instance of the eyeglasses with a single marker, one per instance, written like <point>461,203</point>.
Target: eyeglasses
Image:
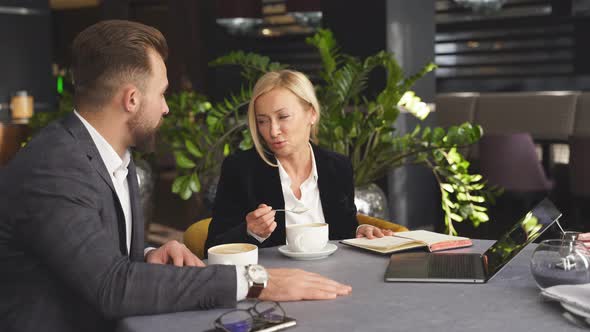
<point>245,320</point>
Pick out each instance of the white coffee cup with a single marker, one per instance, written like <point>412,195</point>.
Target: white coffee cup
<point>311,237</point>
<point>233,254</point>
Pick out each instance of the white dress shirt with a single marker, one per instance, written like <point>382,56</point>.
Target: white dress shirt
<point>310,198</point>
<point>117,169</point>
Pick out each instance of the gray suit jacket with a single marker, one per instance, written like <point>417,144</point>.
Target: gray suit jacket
<point>64,262</point>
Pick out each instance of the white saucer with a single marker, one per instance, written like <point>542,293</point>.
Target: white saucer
<point>308,256</point>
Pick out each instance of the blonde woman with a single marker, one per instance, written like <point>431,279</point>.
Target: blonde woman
<point>285,170</point>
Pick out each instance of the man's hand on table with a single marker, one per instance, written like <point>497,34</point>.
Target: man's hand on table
<point>296,285</point>
<point>175,253</point>
<point>283,284</point>
<point>371,232</point>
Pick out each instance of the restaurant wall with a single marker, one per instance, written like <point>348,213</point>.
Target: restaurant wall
<point>25,53</point>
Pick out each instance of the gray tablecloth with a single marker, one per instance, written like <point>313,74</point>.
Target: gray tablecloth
<point>509,302</point>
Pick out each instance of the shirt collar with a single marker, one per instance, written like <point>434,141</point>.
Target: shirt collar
<point>109,156</point>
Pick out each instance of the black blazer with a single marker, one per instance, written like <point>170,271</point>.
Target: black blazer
<point>63,260</point>
<point>247,181</point>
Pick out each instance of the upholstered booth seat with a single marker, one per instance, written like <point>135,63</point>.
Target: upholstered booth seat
<point>453,109</point>
<point>196,235</point>
<point>545,115</point>
<point>510,162</point>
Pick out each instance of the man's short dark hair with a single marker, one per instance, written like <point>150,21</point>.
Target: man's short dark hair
<point>109,54</point>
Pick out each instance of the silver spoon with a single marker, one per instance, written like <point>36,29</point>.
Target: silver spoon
<point>297,209</point>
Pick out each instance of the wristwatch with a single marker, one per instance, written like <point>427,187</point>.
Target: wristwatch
<point>257,278</point>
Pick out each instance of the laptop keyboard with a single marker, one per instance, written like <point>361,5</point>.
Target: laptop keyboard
<point>452,266</point>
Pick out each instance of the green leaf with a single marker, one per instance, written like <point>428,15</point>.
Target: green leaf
<point>211,121</point>
<point>481,216</point>
<point>479,208</point>
<point>462,197</point>
<point>195,183</point>
<point>192,149</point>
<point>455,217</point>
<point>476,178</point>
<point>178,184</point>
<point>226,150</point>
<point>477,199</point>
<point>414,105</point>
<point>426,133</point>
<point>437,135</point>
<point>183,161</point>
<point>416,130</point>
<point>186,193</point>
<point>390,114</point>
<point>246,142</point>
<point>338,133</point>
<point>447,187</point>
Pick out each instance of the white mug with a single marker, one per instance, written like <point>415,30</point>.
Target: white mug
<point>311,237</point>
<point>233,254</point>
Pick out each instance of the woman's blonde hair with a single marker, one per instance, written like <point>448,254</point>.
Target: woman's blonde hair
<point>299,85</point>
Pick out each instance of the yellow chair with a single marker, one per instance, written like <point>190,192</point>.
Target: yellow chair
<point>196,235</point>
<point>380,223</point>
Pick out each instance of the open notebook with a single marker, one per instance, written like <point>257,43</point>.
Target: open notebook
<point>411,239</point>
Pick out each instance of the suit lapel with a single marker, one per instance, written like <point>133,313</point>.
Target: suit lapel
<point>73,124</point>
<point>137,234</point>
<point>325,178</point>
<point>76,128</point>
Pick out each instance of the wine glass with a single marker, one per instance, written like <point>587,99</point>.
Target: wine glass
<point>559,262</point>
<point>570,235</point>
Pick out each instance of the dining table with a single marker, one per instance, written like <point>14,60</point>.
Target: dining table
<point>510,301</point>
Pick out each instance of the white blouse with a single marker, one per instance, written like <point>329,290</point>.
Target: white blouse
<point>310,198</point>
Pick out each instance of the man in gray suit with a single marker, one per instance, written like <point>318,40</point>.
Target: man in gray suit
<point>71,230</point>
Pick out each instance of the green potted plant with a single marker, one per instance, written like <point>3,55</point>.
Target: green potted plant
<point>199,137</point>
<point>351,124</point>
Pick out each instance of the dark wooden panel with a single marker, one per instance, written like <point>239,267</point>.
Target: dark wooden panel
<point>526,41</point>
<point>11,137</point>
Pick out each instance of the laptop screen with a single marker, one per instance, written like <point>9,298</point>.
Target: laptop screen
<point>533,224</point>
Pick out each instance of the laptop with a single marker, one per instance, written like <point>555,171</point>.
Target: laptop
<point>473,267</point>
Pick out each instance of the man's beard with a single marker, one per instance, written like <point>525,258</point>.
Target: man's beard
<point>144,136</point>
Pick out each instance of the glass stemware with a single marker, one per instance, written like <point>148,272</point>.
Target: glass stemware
<point>559,262</point>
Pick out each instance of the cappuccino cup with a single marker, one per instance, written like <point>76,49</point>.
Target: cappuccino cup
<point>233,254</point>
<point>311,237</point>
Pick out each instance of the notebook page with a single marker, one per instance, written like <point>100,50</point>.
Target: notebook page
<point>381,243</point>
<point>429,237</point>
